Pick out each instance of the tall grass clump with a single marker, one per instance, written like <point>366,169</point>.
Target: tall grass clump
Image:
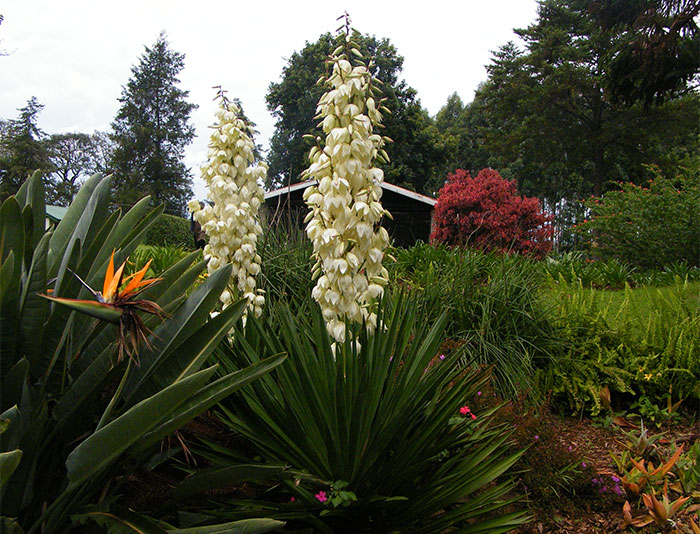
<point>492,304</point>
<point>286,256</point>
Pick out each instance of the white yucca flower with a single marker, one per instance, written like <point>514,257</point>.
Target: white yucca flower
<point>345,207</point>
<point>232,223</point>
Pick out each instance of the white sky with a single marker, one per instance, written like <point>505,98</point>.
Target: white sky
<point>75,55</point>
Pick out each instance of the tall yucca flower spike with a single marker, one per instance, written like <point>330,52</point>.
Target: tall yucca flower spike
<point>232,222</point>
<point>344,205</point>
<point>118,306</point>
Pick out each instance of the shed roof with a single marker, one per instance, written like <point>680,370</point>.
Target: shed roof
<point>385,185</point>
<point>55,213</point>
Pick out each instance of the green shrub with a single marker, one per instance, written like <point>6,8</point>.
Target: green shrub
<point>649,227</point>
<point>170,231</point>
<point>161,258</point>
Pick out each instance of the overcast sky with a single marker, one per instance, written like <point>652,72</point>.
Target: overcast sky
<point>76,55</point>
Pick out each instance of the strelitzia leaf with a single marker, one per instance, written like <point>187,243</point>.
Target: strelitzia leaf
<point>105,445</point>
<point>8,463</point>
<point>99,310</point>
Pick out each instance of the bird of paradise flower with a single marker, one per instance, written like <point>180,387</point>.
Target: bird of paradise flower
<point>118,305</point>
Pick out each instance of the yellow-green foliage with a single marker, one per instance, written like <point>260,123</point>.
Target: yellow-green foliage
<point>644,340</point>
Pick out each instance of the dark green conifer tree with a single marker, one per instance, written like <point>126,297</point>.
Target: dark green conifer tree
<point>151,131</point>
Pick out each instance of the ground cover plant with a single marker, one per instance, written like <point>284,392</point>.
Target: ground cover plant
<point>640,343</point>
<point>495,315</point>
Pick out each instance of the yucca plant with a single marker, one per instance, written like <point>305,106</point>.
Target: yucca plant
<point>75,419</point>
<point>385,441</point>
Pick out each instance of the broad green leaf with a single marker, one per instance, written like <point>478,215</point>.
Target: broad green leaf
<point>13,383</point>
<point>244,526</point>
<point>31,193</point>
<point>7,282</point>
<point>9,526</point>
<point>12,234</point>
<point>120,520</point>
<point>215,478</point>
<point>195,351</point>
<point>105,445</point>
<point>207,397</point>
<point>8,463</point>
<point>33,308</point>
<point>63,232</point>
<point>100,310</point>
<point>172,333</point>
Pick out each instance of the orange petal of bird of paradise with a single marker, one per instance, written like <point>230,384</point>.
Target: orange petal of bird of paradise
<point>112,279</point>
<point>136,281</point>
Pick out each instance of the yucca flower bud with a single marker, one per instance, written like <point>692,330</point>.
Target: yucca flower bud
<point>232,223</point>
<point>345,208</point>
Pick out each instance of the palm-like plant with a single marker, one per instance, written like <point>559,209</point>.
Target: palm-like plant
<point>76,418</point>
<point>375,421</point>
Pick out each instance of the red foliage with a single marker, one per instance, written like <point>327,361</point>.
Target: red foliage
<point>486,212</point>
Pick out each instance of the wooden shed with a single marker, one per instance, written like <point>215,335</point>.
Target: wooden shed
<point>412,212</point>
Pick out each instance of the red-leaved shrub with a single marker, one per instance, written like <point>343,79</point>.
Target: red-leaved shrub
<point>487,213</point>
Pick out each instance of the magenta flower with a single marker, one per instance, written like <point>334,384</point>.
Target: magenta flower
<point>442,356</point>
<point>536,437</point>
<point>478,393</point>
<point>321,496</point>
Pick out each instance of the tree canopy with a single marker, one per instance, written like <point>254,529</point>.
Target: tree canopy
<point>151,131</point>
<point>549,118</point>
<point>22,150</point>
<point>418,148</point>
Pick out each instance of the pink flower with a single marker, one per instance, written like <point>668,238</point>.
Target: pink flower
<point>442,356</point>
<point>478,393</point>
<point>464,410</point>
<point>292,499</point>
<point>536,437</point>
<point>473,416</point>
<point>321,496</point>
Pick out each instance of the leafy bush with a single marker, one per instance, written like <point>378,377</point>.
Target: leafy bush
<point>486,212</point>
<point>648,227</point>
<point>76,420</point>
<point>161,258</point>
<point>370,427</point>
<point>170,231</point>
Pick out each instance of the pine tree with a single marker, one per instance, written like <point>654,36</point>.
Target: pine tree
<point>151,131</point>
